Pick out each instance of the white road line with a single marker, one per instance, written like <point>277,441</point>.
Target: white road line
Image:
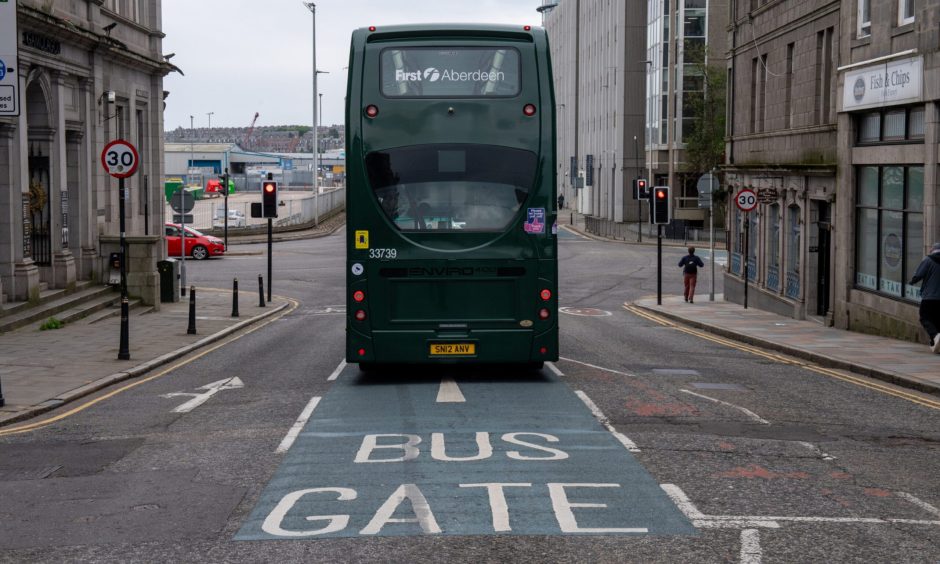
<point>627,443</point>
<point>298,425</point>
<point>551,366</point>
<point>747,412</point>
<point>817,450</point>
<point>750,546</point>
<point>449,392</point>
<point>919,503</point>
<point>336,372</point>
<point>682,501</point>
<point>701,520</point>
<point>597,367</point>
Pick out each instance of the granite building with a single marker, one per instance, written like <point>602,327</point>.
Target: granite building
<point>88,71</point>
<point>598,51</point>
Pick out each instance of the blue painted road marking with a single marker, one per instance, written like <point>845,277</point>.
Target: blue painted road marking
<point>522,455</point>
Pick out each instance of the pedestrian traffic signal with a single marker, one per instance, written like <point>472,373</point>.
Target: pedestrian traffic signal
<point>660,206</point>
<point>269,198</point>
<point>639,189</point>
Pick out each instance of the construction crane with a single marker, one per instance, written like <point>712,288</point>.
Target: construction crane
<point>251,129</point>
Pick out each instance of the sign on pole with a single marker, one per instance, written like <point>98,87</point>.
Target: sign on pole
<point>120,158</point>
<point>707,184</point>
<point>746,200</point>
<point>182,201</point>
<point>9,81</point>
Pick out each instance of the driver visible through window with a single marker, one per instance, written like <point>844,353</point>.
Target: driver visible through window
<point>451,187</point>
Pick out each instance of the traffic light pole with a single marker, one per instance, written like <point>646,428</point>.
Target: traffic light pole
<point>659,264</point>
<point>123,353</point>
<point>225,193</point>
<point>270,237</point>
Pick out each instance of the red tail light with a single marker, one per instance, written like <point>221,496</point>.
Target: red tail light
<point>529,110</point>
<point>360,315</point>
<point>362,352</point>
<point>527,27</point>
<point>372,110</point>
<point>545,294</point>
<point>543,350</point>
<point>371,28</point>
<point>359,295</point>
<point>544,313</point>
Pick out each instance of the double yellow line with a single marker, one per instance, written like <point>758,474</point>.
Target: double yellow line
<point>839,375</point>
<point>49,421</point>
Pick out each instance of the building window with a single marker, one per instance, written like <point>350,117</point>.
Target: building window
<point>889,228</point>
<point>788,94</point>
<point>864,18</point>
<point>905,12</point>
<point>891,126</point>
<point>773,247</point>
<point>793,252</point>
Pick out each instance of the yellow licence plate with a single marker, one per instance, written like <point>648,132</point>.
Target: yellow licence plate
<point>440,349</point>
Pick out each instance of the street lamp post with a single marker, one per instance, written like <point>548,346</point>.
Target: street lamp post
<point>319,152</point>
<point>210,119</point>
<point>639,200</point>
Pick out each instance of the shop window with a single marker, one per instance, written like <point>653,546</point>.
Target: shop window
<point>889,229</point>
<point>793,252</point>
<point>897,125</point>
<point>916,123</point>
<point>773,247</point>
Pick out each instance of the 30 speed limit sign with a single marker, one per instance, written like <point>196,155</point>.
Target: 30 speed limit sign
<point>746,200</point>
<point>120,158</point>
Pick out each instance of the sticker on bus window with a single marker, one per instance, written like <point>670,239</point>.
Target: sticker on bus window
<point>535,220</point>
<point>362,239</point>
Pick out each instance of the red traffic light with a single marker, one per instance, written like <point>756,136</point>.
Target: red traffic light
<point>660,194</point>
<point>269,187</point>
<point>641,184</point>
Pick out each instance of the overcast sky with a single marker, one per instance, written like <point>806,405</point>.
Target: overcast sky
<point>245,56</point>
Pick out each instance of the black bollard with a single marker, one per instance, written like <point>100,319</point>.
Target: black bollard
<point>260,291</point>
<point>235,298</point>
<point>192,311</point>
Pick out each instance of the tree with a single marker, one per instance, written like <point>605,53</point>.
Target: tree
<point>705,144</point>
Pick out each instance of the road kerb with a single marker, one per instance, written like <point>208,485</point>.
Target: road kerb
<point>895,378</point>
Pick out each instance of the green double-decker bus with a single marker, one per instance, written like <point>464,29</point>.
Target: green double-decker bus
<point>450,154</point>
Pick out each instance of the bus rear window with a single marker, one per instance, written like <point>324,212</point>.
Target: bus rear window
<point>451,187</point>
<point>463,72</point>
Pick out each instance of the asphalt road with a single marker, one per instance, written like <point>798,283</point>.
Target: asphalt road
<point>644,444</point>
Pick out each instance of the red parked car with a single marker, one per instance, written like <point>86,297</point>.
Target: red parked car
<point>198,246</point>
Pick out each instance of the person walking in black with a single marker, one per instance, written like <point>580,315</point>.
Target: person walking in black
<point>561,201</point>
<point>929,272</point>
<point>690,265</point>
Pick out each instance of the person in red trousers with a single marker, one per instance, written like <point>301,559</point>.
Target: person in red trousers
<point>690,265</point>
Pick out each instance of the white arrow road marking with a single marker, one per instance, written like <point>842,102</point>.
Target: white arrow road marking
<point>449,392</point>
<point>211,390</point>
<point>298,425</point>
<point>743,410</point>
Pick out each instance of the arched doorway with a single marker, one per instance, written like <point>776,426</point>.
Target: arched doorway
<point>39,135</point>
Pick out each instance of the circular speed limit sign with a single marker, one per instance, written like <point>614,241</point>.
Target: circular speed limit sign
<point>746,200</point>
<point>120,158</point>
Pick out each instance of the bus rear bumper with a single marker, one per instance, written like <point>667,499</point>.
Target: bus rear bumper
<point>492,346</point>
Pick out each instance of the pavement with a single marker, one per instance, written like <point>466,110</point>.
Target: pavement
<point>42,371</point>
<point>903,363</point>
